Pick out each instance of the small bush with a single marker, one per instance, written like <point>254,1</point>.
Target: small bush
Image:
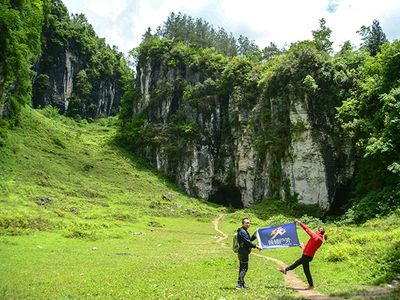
<point>313,210</point>
<point>22,223</point>
<point>57,141</point>
<point>347,219</point>
<point>6,185</point>
<point>50,112</point>
<point>121,216</point>
<point>388,264</point>
<point>153,223</point>
<point>311,222</point>
<point>88,167</point>
<point>376,204</point>
<point>389,222</point>
<point>84,230</point>
<point>342,252</point>
<point>80,234</point>
<point>277,220</point>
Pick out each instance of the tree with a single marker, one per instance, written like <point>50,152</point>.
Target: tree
<point>147,34</point>
<point>321,37</point>
<point>347,46</point>
<point>373,37</point>
<point>371,116</point>
<point>271,51</point>
<point>197,33</point>
<point>247,47</point>
<point>20,28</point>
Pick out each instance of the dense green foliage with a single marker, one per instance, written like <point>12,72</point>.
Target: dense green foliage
<point>371,116</point>
<point>198,33</point>
<point>35,36</point>
<point>20,28</point>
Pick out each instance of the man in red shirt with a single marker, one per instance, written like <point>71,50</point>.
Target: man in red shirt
<point>313,244</point>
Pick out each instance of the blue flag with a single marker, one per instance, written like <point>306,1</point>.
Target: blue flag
<point>280,236</point>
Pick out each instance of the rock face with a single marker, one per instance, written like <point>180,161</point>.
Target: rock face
<point>303,164</point>
<point>221,163</point>
<point>55,84</point>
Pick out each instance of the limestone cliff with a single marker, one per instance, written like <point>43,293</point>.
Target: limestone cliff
<point>55,84</point>
<point>211,145</point>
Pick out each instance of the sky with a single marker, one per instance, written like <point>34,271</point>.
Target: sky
<point>123,22</point>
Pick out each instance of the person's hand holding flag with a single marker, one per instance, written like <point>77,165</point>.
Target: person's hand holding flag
<point>257,247</point>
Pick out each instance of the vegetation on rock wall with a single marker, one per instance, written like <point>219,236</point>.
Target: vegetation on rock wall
<point>35,36</point>
<point>95,64</point>
<point>258,94</point>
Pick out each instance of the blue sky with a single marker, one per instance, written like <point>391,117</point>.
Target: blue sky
<point>123,22</point>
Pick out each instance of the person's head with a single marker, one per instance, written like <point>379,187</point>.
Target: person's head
<point>321,230</point>
<point>245,223</point>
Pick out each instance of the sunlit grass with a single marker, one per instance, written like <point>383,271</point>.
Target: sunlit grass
<point>81,218</point>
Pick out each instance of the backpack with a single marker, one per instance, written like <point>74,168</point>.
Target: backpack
<point>235,242</point>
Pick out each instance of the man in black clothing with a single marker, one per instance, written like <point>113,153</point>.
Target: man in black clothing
<point>245,246</point>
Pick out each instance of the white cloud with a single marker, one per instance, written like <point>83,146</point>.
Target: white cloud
<point>107,9</point>
<point>123,22</point>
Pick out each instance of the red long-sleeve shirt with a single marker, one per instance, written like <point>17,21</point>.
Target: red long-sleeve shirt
<point>313,243</point>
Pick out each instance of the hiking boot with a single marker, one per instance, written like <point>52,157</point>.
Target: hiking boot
<point>310,287</point>
<point>239,287</point>
<point>283,270</point>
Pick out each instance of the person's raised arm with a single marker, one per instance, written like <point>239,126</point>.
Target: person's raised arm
<point>304,226</point>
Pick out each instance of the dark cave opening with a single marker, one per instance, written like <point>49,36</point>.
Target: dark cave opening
<point>341,200</point>
<point>228,196</point>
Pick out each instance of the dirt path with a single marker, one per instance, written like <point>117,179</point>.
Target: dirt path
<point>291,279</point>
<point>216,228</point>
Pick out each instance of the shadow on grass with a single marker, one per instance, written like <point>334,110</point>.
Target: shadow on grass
<point>142,165</point>
<point>285,297</point>
<point>382,293</point>
<point>228,288</point>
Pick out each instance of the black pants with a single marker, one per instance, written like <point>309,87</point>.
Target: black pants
<point>243,266</point>
<point>305,261</point>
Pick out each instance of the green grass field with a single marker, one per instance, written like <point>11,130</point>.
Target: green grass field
<point>81,218</point>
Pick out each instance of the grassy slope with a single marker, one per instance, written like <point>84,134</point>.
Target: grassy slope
<point>86,241</point>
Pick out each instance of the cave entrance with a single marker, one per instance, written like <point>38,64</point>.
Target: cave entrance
<point>341,200</point>
<point>228,196</point>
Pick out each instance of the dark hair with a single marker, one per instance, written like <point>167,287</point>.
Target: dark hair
<point>245,219</point>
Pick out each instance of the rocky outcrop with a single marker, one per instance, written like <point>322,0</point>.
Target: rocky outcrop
<point>222,164</point>
<point>55,84</point>
<point>55,76</point>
